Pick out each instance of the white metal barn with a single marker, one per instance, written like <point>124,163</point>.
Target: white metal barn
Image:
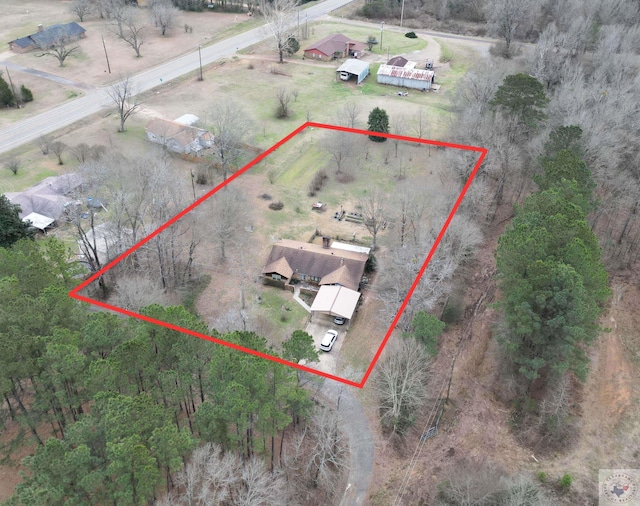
<point>417,79</point>
<point>354,67</point>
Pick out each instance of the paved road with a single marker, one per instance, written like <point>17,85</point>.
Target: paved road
<point>68,113</point>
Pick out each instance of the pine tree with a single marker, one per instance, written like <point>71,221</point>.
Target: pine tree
<point>378,122</point>
<point>27,96</point>
<point>6,95</point>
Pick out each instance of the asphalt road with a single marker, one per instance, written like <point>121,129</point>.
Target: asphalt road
<point>94,101</point>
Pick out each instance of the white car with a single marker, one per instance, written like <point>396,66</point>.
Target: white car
<point>327,341</point>
<point>339,320</point>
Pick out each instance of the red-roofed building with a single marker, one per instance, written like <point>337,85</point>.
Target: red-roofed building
<point>335,46</point>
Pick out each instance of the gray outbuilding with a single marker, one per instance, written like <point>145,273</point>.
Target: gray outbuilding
<point>353,67</point>
<point>417,79</point>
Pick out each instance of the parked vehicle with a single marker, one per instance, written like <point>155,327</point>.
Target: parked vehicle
<point>345,76</point>
<point>339,320</point>
<point>328,340</point>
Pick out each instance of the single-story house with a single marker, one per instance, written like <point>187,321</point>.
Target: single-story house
<point>417,79</point>
<point>45,38</point>
<point>335,46</point>
<point>315,264</point>
<point>178,137</point>
<point>48,198</point>
<point>353,67</point>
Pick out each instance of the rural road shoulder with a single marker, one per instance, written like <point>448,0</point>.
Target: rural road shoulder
<point>361,447</point>
<point>94,101</point>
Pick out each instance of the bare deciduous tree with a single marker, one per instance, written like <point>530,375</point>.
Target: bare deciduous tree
<point>81,152</point>
<point>372,207</point>
<point>58,148</point>
<point>279,17</point>
<point>212,476</point>
<point>284,99</point>
<point>340,146</point>
<point>61,48</point>
<point>81,8</point>
<point>328,453</point>
<point>164,14</point>
<point>137,291</point>
<point>505,16</point>
<point>401,383</point>
<point>230,127</point>
<point>351,113</point>
<point>44,143</point>
<point>131,28</point>
<point>12,164</point>
<point>229,217</point>
<point>124,98</point>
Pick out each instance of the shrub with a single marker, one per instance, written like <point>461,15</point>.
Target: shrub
<point>565,482</point>
<point>27,95</point>
<point>276,206</point>
<point>344,177</point>
<point>411,35</point>
<point>542,477</point>
<point>266,196</point>
<point>317,182</point>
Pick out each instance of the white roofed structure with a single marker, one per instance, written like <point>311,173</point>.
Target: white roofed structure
<point>335,300</point>
<point>39,221</point>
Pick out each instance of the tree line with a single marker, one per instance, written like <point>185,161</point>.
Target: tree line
<point>114,407</point>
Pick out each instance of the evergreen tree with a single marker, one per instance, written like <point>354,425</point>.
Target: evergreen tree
<point>27,96</point>
<point>522,96</point>
<point>12,228</point>
<point>378,122</point>
<point>6,95</point>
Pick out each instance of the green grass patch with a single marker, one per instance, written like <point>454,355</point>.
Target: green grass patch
<point>27,176</point>
<point>446,53</point>
<point>192,290</point>
<point>281,309</point>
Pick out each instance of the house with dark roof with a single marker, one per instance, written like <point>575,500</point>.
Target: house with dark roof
<point>46,38</point>
<point>315,264</point>
<point>335,46</point>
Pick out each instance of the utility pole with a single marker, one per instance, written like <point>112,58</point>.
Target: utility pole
<point>105,54</point>
<point>381,34</point>
<point>401,13</point>
<point>200,58</point>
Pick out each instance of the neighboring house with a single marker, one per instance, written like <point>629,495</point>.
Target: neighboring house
<point>406,77</point>
<point>49,198</point>
<point>353,67</point>
<point>45,38</point>
<point>315,264</point>
<point>335,46</point>
<point>179,137</point>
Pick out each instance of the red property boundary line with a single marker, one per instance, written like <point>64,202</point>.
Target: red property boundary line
<point>309,124</point>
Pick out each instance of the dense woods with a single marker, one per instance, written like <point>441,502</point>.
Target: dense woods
<point>115,406</point>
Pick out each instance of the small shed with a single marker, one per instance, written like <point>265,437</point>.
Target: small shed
<point>354,67</point>
<point>416,79</point>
